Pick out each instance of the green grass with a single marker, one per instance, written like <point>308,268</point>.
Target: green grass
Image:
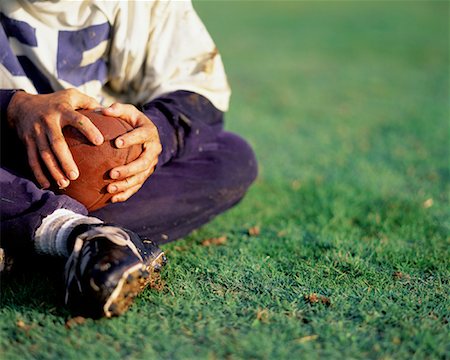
<point>346,105</point>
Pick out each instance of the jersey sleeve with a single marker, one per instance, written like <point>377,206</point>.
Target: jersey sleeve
<point>5,98</point>
<point>187,122</point>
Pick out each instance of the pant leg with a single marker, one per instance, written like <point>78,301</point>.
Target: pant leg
<point>23,206</point>
<point>205,172</point>
<point>188,192</point>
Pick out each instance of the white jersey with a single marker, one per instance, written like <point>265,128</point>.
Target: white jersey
<point>126,51</point>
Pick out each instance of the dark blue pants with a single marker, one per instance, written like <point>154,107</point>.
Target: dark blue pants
<point>180,196</point>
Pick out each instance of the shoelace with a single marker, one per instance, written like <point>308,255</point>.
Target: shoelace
<point>112,233</point>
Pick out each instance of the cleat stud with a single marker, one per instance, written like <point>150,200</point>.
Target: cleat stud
<point>114,308</point>
<point>144,273</point>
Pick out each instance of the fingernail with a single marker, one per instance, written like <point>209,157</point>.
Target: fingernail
<point>45,186</point>
<point>99,140</point>
<point>63,183</point>
<point>113,189</point>
<point>119,142</point>
<point>115,174</point>
<point>73,175</point>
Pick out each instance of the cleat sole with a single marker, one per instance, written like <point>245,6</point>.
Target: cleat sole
<point>133,281</point>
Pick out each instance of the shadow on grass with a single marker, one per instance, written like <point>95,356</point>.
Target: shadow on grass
<point>34,283</point>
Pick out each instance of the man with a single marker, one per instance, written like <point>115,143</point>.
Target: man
<point>157,65</point>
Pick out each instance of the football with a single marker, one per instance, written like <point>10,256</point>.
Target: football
<point>95,162</point>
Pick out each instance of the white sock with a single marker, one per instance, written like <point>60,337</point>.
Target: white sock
<point>51,236</point>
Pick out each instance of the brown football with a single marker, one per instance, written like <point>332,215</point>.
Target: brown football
<point>95,162</point>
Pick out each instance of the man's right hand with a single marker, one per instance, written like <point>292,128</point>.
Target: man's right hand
<point>39,120</point>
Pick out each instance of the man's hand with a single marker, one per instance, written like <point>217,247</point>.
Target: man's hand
<point>132,176</point>
<point>39,120</point>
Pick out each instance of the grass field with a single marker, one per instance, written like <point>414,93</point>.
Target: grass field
<point>347,106</point>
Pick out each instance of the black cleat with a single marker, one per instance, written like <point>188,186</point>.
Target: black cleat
<point>109,266</point>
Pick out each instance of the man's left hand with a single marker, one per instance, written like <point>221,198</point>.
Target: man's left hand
<point>129,178</point>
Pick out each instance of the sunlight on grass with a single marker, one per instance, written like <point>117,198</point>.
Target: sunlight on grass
<point>346,105</point>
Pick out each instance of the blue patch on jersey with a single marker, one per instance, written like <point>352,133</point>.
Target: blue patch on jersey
<point>71,45</point>
<point>21,65</point>
<point>20,30</point>
<point>7,57</point>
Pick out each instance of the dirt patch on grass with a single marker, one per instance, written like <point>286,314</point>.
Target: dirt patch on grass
<point>254,231</point>
<point>75,321</point>
<point>306,339</point>
<point>398,275</point>
<point>314,298</point>
<point>157,284</point>
<point>22,326</point>
<point>262,315</point>
<point>215,241</point>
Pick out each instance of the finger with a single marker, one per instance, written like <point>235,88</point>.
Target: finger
<point>85,125</point>
<point>123,196</point>
<point>145,161</point>
<point>33,161</point>
<point>63,154</point>
<point>49,160</point>
<point>145,130</point>
<point>78,100</point>
<point>123,185</point>
<point>140,135</point>
<point>127,112</point>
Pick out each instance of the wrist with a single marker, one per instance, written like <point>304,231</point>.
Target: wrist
<point>166,133</point>
<point>14,105</point>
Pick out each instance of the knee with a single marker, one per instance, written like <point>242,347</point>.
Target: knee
<point>239,164</point>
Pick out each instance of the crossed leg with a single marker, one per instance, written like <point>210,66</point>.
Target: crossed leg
<point>179,197</point>
<point>187,193</point>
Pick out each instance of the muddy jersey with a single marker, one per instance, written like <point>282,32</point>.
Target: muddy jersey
<point>130,52</point>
